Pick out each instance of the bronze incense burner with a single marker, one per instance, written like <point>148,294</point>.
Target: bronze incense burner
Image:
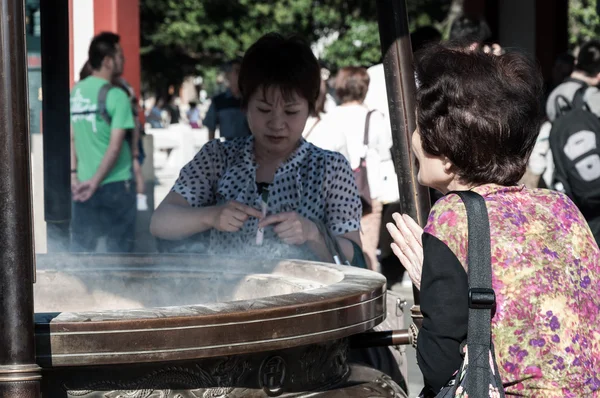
<point>201,326</point>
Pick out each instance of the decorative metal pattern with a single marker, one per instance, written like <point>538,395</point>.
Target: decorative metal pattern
<point>214,382</point>
<point>316,367</point>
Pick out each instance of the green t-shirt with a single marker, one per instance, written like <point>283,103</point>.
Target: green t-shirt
<point>92,134</point>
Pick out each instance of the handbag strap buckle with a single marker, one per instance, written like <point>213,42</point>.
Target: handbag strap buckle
<point>482,298</point>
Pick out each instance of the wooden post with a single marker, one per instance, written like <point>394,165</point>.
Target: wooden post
<point>400,82</point>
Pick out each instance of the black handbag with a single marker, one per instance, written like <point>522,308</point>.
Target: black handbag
<point>478,376</point>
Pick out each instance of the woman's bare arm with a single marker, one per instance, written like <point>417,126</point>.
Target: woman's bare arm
<point>176,219</point>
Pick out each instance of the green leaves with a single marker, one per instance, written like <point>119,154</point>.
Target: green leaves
<point>183,37</point>
<point>584,23</point>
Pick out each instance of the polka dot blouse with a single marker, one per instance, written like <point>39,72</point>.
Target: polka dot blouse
<point>315,183</point>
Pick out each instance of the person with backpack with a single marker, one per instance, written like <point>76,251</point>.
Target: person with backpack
<point>573,108</point>
<point>133,137</point>
<point>104,194</point>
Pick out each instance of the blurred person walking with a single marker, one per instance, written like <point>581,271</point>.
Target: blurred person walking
<point>225,111</point>
<point>332,140</point>
<point>104,198</point>
<point>193,115</point>
<point>133,137</point>
<point>368,142</point>
<point>155,116</point>
<point>573,108</point>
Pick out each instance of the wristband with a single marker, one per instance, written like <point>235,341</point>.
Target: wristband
<point>74,171</point>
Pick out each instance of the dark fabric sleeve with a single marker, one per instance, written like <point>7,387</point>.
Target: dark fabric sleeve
<point>444,304</point>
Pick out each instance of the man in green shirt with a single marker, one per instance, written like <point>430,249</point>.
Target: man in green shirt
<point>104,198</point>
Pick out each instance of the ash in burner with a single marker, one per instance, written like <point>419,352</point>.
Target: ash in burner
<point>101,290</point>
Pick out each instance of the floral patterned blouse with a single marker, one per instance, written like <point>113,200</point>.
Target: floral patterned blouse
<point>546,275</point>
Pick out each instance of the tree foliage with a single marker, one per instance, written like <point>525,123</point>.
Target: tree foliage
<point>584,23</point>
<point>192,37</point>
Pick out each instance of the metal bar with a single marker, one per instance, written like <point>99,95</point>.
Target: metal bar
<point>399,76</point>
<point>381,339</point>
<point>19,375</point>
<point>56,121</point>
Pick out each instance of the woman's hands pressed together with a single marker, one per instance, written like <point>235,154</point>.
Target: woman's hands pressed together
<point>407,245</point>
<point>231,216</point>
<point>292,228</point>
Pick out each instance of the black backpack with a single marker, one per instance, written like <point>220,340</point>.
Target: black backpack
<point>574,140</point>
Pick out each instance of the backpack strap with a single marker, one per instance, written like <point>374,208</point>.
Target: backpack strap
<point>579,98</point>
<point>482,298</point>
<point>367,124</point>
<point>102,96</point>
<point>563,105</point>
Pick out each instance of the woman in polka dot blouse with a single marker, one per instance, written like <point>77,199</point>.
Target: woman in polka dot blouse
<point>219,191</point>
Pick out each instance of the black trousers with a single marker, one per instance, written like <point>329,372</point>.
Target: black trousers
<point>109,213</point>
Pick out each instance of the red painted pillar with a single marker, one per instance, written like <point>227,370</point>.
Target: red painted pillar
<point>122,17</point>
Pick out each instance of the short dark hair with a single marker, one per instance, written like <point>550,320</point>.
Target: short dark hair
<point>479,110</point>
<point>467,29</point>
<point>103,45</point>
<point>423,36</point>
<point>352,84</point>
<point>85,71</point>
<point>287,63</point>
<point>588,59</point>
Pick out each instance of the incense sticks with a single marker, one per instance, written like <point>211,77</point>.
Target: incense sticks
<point>264,198</point>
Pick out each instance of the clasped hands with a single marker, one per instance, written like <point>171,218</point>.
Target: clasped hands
<point>82,191</point>
<point>407,245</point>
<point>290,227</point>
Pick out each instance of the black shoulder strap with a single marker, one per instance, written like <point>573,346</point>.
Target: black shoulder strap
<point>578,100</point>
<point>482,298</point>
<point>367,124</point>
<point>563,105</point>
<point>102,110</point>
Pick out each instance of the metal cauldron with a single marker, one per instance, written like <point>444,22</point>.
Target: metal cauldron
<point>199,326</point>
